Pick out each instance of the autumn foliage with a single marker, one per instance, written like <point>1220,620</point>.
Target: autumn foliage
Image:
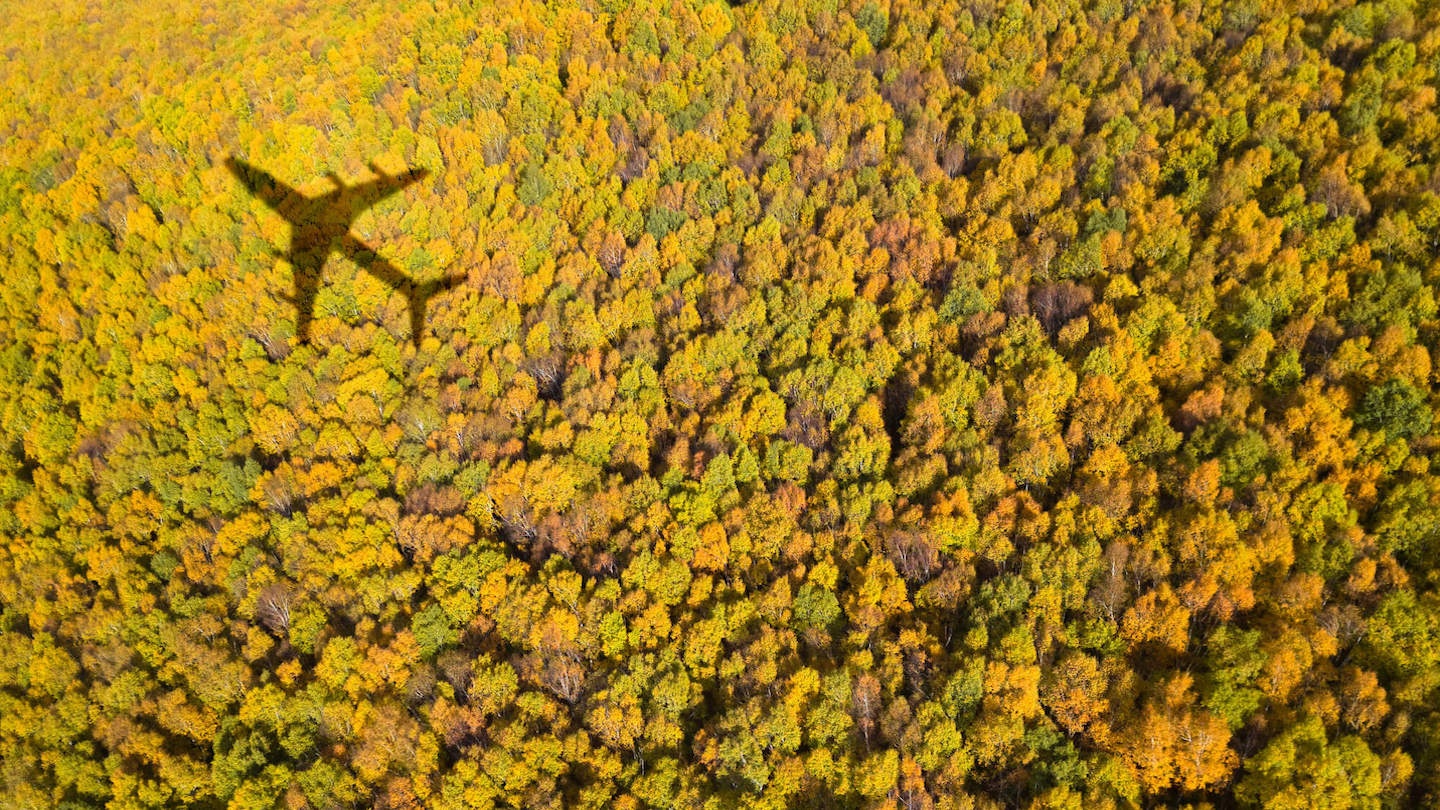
<point>878,403</point>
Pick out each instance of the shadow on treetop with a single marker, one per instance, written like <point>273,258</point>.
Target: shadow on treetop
<point>320,225</point>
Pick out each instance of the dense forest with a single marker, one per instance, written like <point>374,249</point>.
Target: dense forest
<point>849,403</point>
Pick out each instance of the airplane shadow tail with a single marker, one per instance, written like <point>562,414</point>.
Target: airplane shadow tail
<point>418,294</point>
<point>420,299</point>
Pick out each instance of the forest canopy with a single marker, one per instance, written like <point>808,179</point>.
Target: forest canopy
<point>873,404</point>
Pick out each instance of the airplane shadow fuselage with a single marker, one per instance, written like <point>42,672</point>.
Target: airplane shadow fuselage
<point>320,225</point>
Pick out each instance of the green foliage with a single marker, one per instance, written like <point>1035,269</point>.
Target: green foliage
<point>1301,768</point>
<point>815,607</point>
<point>1396,407</point>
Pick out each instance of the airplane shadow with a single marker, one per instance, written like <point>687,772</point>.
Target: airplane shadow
<point>320,226</point>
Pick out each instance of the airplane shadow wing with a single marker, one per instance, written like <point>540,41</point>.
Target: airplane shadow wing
<point>369,193</point>
<point>278,196</point>
<point>418,295</point>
